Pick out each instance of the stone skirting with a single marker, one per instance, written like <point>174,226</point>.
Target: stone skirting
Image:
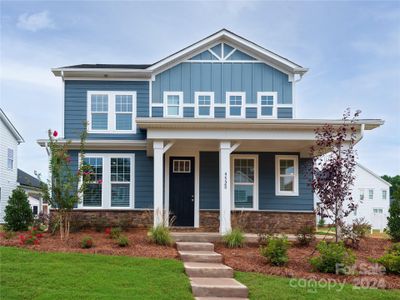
<point>259,221</point>
<point>100,218</point>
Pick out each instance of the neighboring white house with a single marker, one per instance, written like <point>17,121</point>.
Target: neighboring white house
<point>9,140</point>
<point>31,185</point>
<point>372,194</point>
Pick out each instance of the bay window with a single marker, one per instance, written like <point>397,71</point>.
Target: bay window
<point>287,175</point>
<point>245,181</point>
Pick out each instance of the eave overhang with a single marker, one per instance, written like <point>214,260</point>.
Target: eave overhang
<point>102,73</point>
<point>100,144</point>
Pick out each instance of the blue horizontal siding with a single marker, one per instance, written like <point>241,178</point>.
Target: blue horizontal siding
<point>209,184</point>
<point>157,112</point>
<point>219,112</point>
<point>221,78</point>
<point>143,175</point>
<point>251,112</point>
<point>75,105</point>
<point>285,112</point>
<point>188,112</point>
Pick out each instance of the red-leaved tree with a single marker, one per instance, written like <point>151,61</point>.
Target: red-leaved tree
<point>334,162</point>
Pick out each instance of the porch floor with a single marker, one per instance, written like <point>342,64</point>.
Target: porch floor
<point>213,237</point>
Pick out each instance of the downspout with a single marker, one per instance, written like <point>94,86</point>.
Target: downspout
<point>361,133</point>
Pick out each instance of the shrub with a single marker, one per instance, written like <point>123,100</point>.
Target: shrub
<point>123,241</point>
<point>41,222</point>
<point>32,238</point>
<point>391,259</point>
<point>394,220</point>
<point>234,238</point>
<point>352,234</point>
<point>87,242</point>
<point>275,250</point>
<point>305,235</point>
<point>333,258</point>
<point>160,235</point>
<point>321,222</point>
<point>18,212</point>
<point>361,227</point>
<point>115,233</point>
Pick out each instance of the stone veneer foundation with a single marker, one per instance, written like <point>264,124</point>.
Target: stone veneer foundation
<point>250,221</point>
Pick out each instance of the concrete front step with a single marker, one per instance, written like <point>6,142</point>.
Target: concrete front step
<point>218,287</point>
<point>200,256</point>
<point>189,246</point>
<point>198,237</point>
<point>196,269</point>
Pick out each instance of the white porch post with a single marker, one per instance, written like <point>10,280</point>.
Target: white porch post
<point>158,147</point>
<point>224,187</point>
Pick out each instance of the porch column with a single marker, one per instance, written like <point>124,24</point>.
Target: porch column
<point>158,147</point>
<point>224,187</point>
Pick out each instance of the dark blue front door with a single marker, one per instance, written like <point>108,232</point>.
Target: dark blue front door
<point>181,190</point>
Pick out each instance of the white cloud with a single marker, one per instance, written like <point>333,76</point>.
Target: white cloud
<point>35,22</point>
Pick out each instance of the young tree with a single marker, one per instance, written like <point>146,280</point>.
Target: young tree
<point>334,161</point>
<point>394,220</point>
<point>65,186</point>
<point>18,212</point>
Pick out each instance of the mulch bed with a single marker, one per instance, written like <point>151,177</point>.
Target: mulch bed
<point>248,259</point>
<point>139,244</point>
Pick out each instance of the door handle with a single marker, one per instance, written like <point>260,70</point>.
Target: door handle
<point>192,198</point>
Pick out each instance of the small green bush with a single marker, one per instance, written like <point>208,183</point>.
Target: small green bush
<point>115,232</point>
<point>391,259</point>
<point>393,227</point>
<point>321,222</point>
<point>87,242</point>
<point>234,238</point>
<point>275,250</point>
<point>18,212</point>
<point>361,227</point>
<point>305,235</point>
<point>160,235</point>
<point>123,241</point>
<point>333,258</point>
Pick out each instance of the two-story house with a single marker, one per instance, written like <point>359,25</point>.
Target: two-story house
<point>10,138</point>
<point>203,134</point>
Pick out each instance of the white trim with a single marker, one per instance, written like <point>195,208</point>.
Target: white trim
<point>196,104</point>
<point>111,113</point>
<point>228,105</point>
<point>274,105</point>
<point>196,156</point>
<point>106,184</point>
<point>295,191</point>
<point>180,104</point>
<point>150,97</point>
<point>374,174</point>
<point>255,183</point>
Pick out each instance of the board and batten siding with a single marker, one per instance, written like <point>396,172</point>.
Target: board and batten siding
<point>75,105</point>
<point>8,178</point>
<point>143,174</point>
<point>221,78</point>
<point>209,183</point>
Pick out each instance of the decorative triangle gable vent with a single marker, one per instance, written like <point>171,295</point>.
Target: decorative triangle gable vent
<point>223,53</point>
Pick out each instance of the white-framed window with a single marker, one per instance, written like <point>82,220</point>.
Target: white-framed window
<point>235,104</point>
<point>244,169</point>
<point>10,159</point>
<point>286,175</point>
<point>112,181</point>
<point>370,194</point>
<point>173,102</point>
<point>361,194</point>
<point>111,112</point>
<point>384,194</point>
<point>204,104</point>
<point>181,166</point>
<point>266,104</point>
<point>378,210</point>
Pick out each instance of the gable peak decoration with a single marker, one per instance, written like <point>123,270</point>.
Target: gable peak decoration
<point>222,52</point>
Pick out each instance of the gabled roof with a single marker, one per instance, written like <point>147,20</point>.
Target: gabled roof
<point>27,180</point>
<point>11,127</point>
<point>373,174</point>
<point>146,71</point>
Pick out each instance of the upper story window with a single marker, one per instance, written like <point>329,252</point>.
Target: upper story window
<point>361,193</point>
<point>111,112</point>
<point>370,194</point>
<point>266,104</point>
<point>10,159</point>
<point>384,194</point>
<point>173,104</point>
<point>204,104</point>
<point>236,101</point>
<point>287,175</point>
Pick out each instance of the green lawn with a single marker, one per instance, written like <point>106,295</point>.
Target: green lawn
<point>277,288</point>
<point>26,274</point>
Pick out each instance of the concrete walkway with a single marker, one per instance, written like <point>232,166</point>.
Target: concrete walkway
<point>209,278</point>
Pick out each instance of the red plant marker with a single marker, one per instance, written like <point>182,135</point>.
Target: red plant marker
<point>55,133</point>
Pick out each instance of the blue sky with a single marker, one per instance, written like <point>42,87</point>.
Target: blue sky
<point>351,48</point>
